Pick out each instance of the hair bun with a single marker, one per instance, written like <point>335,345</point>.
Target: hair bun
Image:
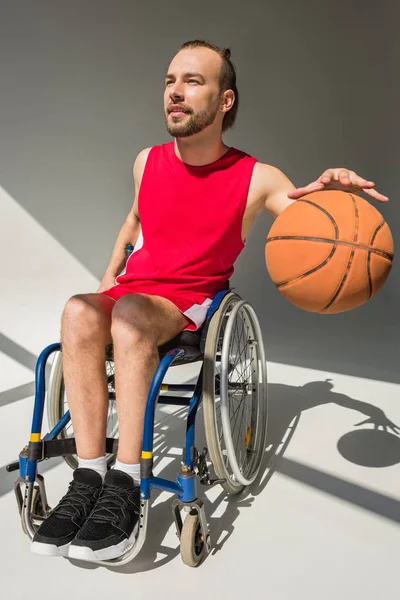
<point>227,53</point>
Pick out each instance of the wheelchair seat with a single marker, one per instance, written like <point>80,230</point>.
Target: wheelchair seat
<point>189,341</point>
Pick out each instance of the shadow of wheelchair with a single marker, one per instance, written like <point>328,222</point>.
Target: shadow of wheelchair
<point>375,447</point>
<point>286,404</point>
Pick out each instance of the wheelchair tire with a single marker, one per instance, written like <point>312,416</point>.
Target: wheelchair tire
<point>229,393</point>
<point>57,406</point>
<point>192,544</point>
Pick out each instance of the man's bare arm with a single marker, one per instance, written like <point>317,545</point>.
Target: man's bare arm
<point>129,231</point>
<point>279,191</point>
<point>276,188</point>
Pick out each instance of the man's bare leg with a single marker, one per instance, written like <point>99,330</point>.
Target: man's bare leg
<point>85,332</point>
<point>140,323</point>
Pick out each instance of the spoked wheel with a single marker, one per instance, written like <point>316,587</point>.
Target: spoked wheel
<point>235,393</point>
<point>192,540</point>
<point>57,405</point>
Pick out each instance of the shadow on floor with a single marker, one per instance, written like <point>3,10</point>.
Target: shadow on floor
<point>286,404</point>
<point>24,358</point>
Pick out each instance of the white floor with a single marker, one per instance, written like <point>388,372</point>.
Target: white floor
<point>322,522</point>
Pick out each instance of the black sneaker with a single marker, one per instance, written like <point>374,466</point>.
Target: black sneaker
<point>111,528</point>
<point>59,529</point>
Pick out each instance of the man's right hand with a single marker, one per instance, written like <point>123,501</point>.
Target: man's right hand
<point>107,282</point>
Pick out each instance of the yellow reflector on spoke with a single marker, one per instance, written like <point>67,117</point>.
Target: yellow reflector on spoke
<point>248,437</point>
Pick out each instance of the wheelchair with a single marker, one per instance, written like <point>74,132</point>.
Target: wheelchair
<point>232,388</point>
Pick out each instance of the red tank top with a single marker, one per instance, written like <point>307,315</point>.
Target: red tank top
<point>191,219</point>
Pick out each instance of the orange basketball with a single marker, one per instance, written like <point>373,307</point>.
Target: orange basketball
<point>329,252</point>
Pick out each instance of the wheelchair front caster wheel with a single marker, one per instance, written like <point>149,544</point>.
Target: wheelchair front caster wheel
<point>193,544</point>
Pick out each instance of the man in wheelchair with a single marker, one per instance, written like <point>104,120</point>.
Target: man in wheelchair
<point>190,216</point>
<point>195,202</point>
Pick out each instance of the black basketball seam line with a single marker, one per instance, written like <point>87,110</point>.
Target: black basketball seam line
<point>305,238</point>
<point>369,274</point>
<point>314,269</point>
<point>376,231</point>
<point>340,287</point>
<point>351,257</point>
<point>369,260</point>
<point>374,234</point>
<point>303,275</point>
<point>356,217</point>
<point>325,212</point>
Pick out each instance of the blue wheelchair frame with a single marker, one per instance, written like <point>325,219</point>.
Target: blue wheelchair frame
<point>185,485</point>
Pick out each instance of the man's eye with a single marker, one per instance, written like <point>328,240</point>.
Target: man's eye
<point>192,81</point>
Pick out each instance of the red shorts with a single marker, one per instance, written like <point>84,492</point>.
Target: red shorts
<point>195,309</point>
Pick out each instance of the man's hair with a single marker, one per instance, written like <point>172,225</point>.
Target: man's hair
<point>227,77</point>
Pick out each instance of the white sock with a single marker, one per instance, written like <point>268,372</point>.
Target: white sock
<point>96,464</point>
<point>132,470</point>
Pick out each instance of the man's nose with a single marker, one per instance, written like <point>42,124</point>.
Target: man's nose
<point>176,91</point>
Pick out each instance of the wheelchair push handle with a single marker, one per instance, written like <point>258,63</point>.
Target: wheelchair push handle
<point>128,251</point>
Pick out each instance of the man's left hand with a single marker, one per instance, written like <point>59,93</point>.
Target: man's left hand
<point>339,179</point>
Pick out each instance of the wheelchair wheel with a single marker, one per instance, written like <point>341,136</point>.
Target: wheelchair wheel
<point>235,393</point>
<point>57,405</point>
<point>192,542</point>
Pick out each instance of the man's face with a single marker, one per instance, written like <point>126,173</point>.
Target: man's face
<point>192,96</point>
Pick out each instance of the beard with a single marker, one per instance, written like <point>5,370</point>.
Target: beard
<point>194,123</point>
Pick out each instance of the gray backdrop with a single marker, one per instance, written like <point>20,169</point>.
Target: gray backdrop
<point>81,95</point>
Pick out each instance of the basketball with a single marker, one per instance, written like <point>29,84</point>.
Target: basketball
<point>329,252</point>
